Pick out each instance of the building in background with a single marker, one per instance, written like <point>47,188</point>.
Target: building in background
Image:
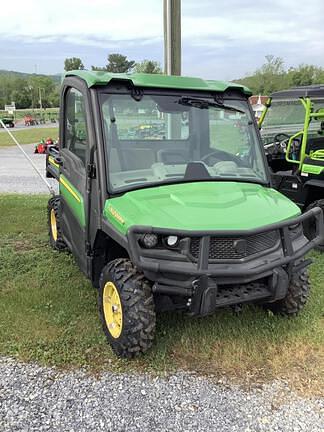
<point>258,104</point>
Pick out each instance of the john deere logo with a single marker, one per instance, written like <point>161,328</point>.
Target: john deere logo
<point>240,246</point>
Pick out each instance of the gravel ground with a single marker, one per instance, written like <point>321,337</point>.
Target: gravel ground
<point>43,399</point>
<point>16,173</point>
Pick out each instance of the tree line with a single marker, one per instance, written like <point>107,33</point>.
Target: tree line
<point>34,91</point>
<point>116,63</point>
<point>273,76</point>
<point>31,91</point>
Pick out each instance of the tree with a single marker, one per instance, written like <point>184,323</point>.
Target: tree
<point>43,90</point>
<point>303,75</point>
<point>148,66</point>
<point>271,75</point>
<point>73,63</point>
<point>116,63</point>
<point>20,93</point>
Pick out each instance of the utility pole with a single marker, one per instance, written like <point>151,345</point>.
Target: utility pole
<point>40,98</point>
<point>172,36</point>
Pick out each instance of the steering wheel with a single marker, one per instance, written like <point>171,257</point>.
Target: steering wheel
<point>220,156</point>
<point>281,137</point>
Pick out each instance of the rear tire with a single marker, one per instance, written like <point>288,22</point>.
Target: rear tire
<point>296,298</point>
<point>311,227</point>
<point>126,308</point>
<point>54,224</point>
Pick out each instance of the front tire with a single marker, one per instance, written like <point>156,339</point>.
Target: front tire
<point>296,298</point>
<point>54,224</point>
<point>310,227</point>
<point>126,308</point>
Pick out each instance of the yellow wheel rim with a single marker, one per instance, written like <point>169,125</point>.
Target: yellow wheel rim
<point>112,310</point>
<point>53,225</point>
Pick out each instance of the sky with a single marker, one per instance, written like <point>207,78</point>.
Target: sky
<point>221,39</point>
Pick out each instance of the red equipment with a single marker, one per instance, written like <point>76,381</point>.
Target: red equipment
<point>30,120</point>
<point>43,146</point>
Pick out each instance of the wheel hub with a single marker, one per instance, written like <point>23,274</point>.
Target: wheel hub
<point>53,225</point>
<point>112,309</point>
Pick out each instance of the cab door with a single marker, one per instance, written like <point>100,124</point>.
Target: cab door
<point>74,153</point>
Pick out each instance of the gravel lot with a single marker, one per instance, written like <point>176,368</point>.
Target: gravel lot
<point>42,399</point>
<point>16,173</point>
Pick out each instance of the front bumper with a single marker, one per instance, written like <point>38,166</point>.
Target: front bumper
<point>174,273</point>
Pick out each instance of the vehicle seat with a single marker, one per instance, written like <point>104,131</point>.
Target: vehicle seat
<point>315,143</point>
<point>315,162</point>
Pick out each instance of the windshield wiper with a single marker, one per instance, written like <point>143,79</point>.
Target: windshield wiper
<point>205,104</point>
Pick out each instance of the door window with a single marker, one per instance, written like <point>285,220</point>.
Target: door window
<point>76,137</point>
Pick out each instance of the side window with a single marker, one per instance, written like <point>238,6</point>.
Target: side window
<point>76,139</point>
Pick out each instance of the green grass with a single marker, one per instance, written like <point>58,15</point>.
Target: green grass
<point>48,314</point>
<point>28,136</point>
<point>20,113</point>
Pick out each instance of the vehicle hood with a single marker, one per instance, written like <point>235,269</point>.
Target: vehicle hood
<point>200,206</point>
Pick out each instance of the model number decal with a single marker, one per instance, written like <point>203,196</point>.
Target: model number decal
<point>116,215</point>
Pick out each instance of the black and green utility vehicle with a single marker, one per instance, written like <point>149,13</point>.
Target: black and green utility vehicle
<point>8,121</point>
<point>165,200</point>
<point>292,129</point>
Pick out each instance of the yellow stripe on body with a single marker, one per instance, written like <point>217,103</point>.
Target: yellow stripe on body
<point>65,184</point>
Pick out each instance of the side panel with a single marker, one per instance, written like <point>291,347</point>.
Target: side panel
<point>74,199</point>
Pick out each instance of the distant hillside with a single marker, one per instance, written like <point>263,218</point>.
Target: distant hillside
<point>56,77</point>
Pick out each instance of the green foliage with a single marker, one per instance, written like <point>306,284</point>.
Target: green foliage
<point>73,63</point>
<point>117,63</point>
<point>26,90</point>
<point>305,75</point>
<point>148,66</point>
<point>273,76</point>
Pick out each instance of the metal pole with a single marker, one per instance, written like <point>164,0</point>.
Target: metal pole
<point>40,99</point>
<point>172,36</point>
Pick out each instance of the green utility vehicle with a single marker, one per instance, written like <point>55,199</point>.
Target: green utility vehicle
<point>8,121</point>
<point>292,129</point>
<point>165,201</point>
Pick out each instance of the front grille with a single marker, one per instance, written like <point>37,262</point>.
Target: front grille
<point>229,248</point>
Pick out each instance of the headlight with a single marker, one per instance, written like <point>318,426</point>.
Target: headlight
<point>172,240</point>
<point>149,240</point>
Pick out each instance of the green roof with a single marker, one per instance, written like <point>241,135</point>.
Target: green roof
<point>94,78</point>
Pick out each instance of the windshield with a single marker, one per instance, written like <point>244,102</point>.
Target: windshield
<point>289,112</point>
<point>160,139</point>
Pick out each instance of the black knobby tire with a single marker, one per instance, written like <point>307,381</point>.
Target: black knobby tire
<point>54,205</point>
<point>310,227</point>
<point>296,298</point>
<point>138,310</point>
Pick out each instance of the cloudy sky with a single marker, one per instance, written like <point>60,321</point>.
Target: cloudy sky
<point>221,39</point>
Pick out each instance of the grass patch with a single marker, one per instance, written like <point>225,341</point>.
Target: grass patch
<point>48,314</point>
<point>28,136</point>
<point>20,113</point>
